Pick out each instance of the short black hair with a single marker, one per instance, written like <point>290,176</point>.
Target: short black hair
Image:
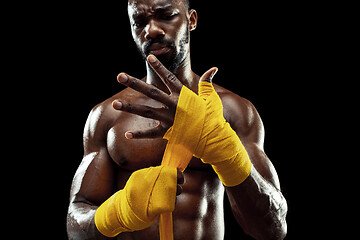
<point>187,3</point>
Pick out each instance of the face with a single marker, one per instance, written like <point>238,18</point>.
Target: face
<point>162,28</point>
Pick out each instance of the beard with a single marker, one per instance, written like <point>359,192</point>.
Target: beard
<point>173,58</point>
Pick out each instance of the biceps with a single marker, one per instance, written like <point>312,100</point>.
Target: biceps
<point>94,179</point>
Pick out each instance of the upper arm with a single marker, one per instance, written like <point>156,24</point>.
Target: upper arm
<point>246,122</point>
<point>93,182</point>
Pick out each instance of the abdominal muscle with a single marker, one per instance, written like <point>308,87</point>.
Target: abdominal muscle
<point>198,212</point>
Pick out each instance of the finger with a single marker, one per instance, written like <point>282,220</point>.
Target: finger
<point>156,132</point>
<point>146,89</point>
<point>180,177</point>
<point>169,79</point>
<point>141,110</point>
<point>209,75</point>
<point>178,190</point>
<point>180,181</point>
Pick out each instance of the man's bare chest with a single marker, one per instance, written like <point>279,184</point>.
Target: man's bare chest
<point>133,154</point>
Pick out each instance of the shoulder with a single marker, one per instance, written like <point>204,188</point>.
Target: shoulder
<point>242,116</point>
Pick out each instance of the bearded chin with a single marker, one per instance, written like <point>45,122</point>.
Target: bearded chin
<point>173,61</point>
<point>175,57</point>
<point>170,60</point>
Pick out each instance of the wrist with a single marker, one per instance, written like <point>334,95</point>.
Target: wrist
<point>227,155</point>
<point>147,193</point>
<point>235,170</point>
<point>106,217</point>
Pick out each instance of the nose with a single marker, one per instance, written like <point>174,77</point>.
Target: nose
<point>153,31</point>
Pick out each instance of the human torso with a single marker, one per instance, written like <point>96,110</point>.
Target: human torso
<point>199,208</point>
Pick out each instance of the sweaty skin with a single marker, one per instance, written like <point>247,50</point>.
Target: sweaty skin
<point>110,157</point>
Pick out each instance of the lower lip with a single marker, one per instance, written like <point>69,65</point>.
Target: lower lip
<point>159,51</point>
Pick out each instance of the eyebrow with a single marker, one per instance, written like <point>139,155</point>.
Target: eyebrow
<point>156,10</point>
<point>165,8</point>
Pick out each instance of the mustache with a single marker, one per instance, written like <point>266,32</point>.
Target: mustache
<point>166,42</point>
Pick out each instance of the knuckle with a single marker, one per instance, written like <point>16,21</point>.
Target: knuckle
<point>138,134</point>
<point>131,83</point>
<point>154,92</point>
<point>129,107</point>
<point>149,113</point>
<point>170,77</point>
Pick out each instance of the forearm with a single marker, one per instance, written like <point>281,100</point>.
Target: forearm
<point>259,207</point>
<point>80,222</point>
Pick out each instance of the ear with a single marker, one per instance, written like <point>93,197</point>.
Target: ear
<point>192,19</point>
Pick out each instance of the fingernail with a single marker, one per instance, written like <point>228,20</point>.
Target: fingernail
<point>129,135</point>
<point>117,105</point>
<point>152,59</point>
<point>212,75</point>
<point>123,78</point>
<point>214,72</point>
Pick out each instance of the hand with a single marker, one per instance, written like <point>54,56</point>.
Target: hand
<point>148,193</point>
<point>164,115</point>
<point>163,183</point>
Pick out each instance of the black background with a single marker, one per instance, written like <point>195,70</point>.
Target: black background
<point>67,57</point>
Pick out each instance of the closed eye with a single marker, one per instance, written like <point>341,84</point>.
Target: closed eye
<point>169,16</point>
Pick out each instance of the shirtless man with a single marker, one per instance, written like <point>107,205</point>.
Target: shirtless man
<point>124,134</point>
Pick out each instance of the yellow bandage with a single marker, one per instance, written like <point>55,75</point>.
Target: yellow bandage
<point>200,128</point>
<point>187,128</point>
<point>219,145</point>
<point>148,193</point>
<point>176,153</point>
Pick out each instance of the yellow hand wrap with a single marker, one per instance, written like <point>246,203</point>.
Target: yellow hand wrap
<point>177,154</point>
<point>148,193</point>
<point>200,128</point>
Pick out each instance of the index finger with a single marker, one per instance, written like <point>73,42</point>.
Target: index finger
<point>169,79</point>
<point>147,89</point>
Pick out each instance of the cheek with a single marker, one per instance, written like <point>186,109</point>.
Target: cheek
<point>181,32</point>
<point>137,38</point>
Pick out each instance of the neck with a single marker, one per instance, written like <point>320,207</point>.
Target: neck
<point>184,73</point>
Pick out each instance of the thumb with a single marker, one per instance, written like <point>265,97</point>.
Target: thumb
<point>205,83</point>
<point>209,75</point>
